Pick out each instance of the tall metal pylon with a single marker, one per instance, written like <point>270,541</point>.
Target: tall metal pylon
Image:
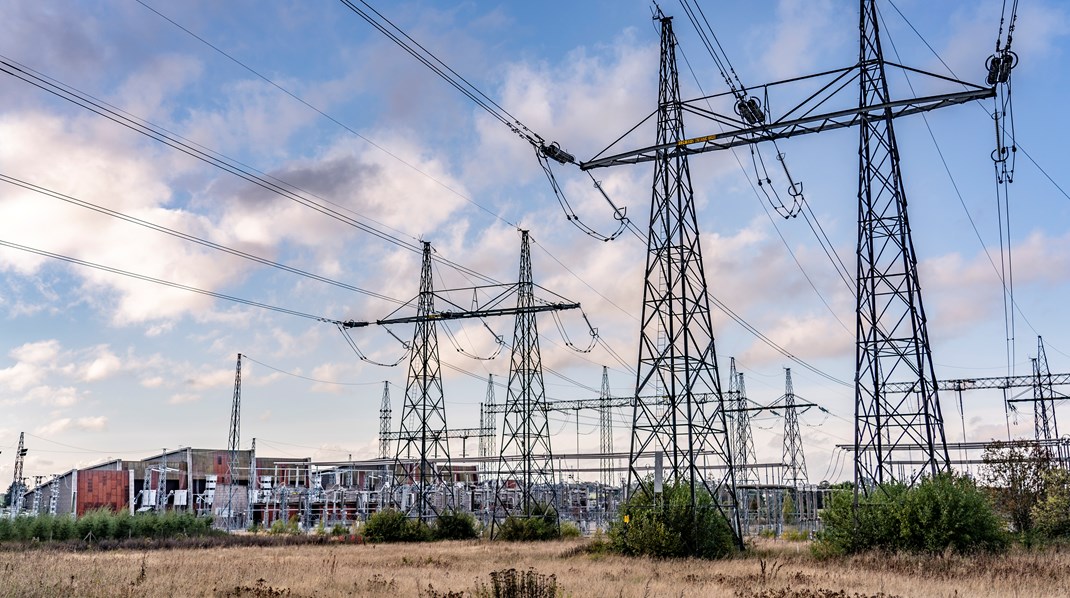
<point>793,459</point>
<point>384,422</point>
<point>892,335</point>
<point>525,460</point>
<point>677,357</point>
<point>743,453</point>
<point>233,444</point>
<point>487,425</point>
<point>18,484</point>
<point>423,420</point>
<point>1046,427</point>
<point>605,437</point>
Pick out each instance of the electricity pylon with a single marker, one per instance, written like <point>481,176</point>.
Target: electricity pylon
<point>384,422</point>
<point>525,465</point>
<point>18,485</point>
<point>605,437</point>
<point>487,422</point>
<point>793,458</point>
<point>232,444</point>
<point>423,419</point>
<point>1046,427</point>
<point>892,429</point>
<point>677,358</point>
<point>743,453</point>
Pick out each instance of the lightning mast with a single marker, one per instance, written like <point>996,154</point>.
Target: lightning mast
<point>232,444</point>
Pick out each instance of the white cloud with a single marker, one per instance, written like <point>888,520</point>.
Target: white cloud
<point>85,424</point>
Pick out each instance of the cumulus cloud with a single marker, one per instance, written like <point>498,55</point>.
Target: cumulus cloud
<point>84,424</point>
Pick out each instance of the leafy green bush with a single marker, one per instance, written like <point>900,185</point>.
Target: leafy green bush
<point>393,526</point>
<point>944,512</point>
<point>570,530</point>
<point>1051,515</point>
<point>453,525</point>
<point>672,528</point>
<point>539,523</point>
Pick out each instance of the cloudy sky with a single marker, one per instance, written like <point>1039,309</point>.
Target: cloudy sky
<point>95,364</point>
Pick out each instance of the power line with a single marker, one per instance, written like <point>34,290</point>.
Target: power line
<point>187,237</point>
<point>162,282</point>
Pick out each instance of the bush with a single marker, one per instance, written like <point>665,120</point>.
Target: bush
<point>1051,515</point>
<point>393,526</point>
<point>453,525</point>
<point>672,528</point>
<point>570,530</point>
<point>538,524</point>
<point>946,512</point>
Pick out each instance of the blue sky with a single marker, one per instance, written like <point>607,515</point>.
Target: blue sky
<point>93,365</point>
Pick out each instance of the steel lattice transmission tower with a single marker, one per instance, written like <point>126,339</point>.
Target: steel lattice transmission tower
<point>605,437</point>
<point>232,443</point>
<point>525,459</point>
<point>793,459</point>
<point>18,484</point>
<point>1045,425</point>
<point>677,358</point>
<point>743,452</point>
<point>384,422</point>
<point>487,425</point>
<point>892,336</point>
<point>423,420</point>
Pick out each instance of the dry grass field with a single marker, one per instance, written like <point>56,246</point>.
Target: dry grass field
<point>771,570</point>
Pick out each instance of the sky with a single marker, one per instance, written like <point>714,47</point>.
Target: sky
<point>96,365</point>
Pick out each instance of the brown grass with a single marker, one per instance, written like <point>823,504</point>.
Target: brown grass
<point>770,570</point>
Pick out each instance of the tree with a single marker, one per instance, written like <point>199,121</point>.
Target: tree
<point>1015,473</point>
<point>1051,514</point>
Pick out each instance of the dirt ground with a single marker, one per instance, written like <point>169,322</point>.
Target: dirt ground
<point>769,570</point>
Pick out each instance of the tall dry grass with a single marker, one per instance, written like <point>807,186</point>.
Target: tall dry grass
<point>771,570</point>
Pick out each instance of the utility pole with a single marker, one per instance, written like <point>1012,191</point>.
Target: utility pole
<point>384,422</point>
<point>423,419</point>
<point>525,429</point>
<point>677,357</point>
<point>232,444</point>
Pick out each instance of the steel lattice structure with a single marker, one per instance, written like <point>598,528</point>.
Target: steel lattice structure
<point>18,484</point>
<point>892,335</point>
<point>384,422</point>
<point>525,427</point>
<point>605,428</point>
<point>423,420</point>
<point>232,443</point>
<point>677,358</point>
<point>487,423</point>
<point>743,451</point>
<point>794,460</point>
<point>1046,427</point>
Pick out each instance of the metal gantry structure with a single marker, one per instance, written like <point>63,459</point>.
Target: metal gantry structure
<point>742,440</point>
<point>525,485</point>
<point>487,421</point>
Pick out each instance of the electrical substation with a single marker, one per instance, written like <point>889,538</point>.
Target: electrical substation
<point>689,414</point>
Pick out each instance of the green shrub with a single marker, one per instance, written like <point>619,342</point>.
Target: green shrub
<point>672,528</point>
<point>539,523</point>
<point>6,529</point>
<point>941,513</point>
<point>570,530</point>
<point>339,530</point>
<point>278,527</point>
<point>1051,515</point>
<point>393,526</point>
<point>453,525</point>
